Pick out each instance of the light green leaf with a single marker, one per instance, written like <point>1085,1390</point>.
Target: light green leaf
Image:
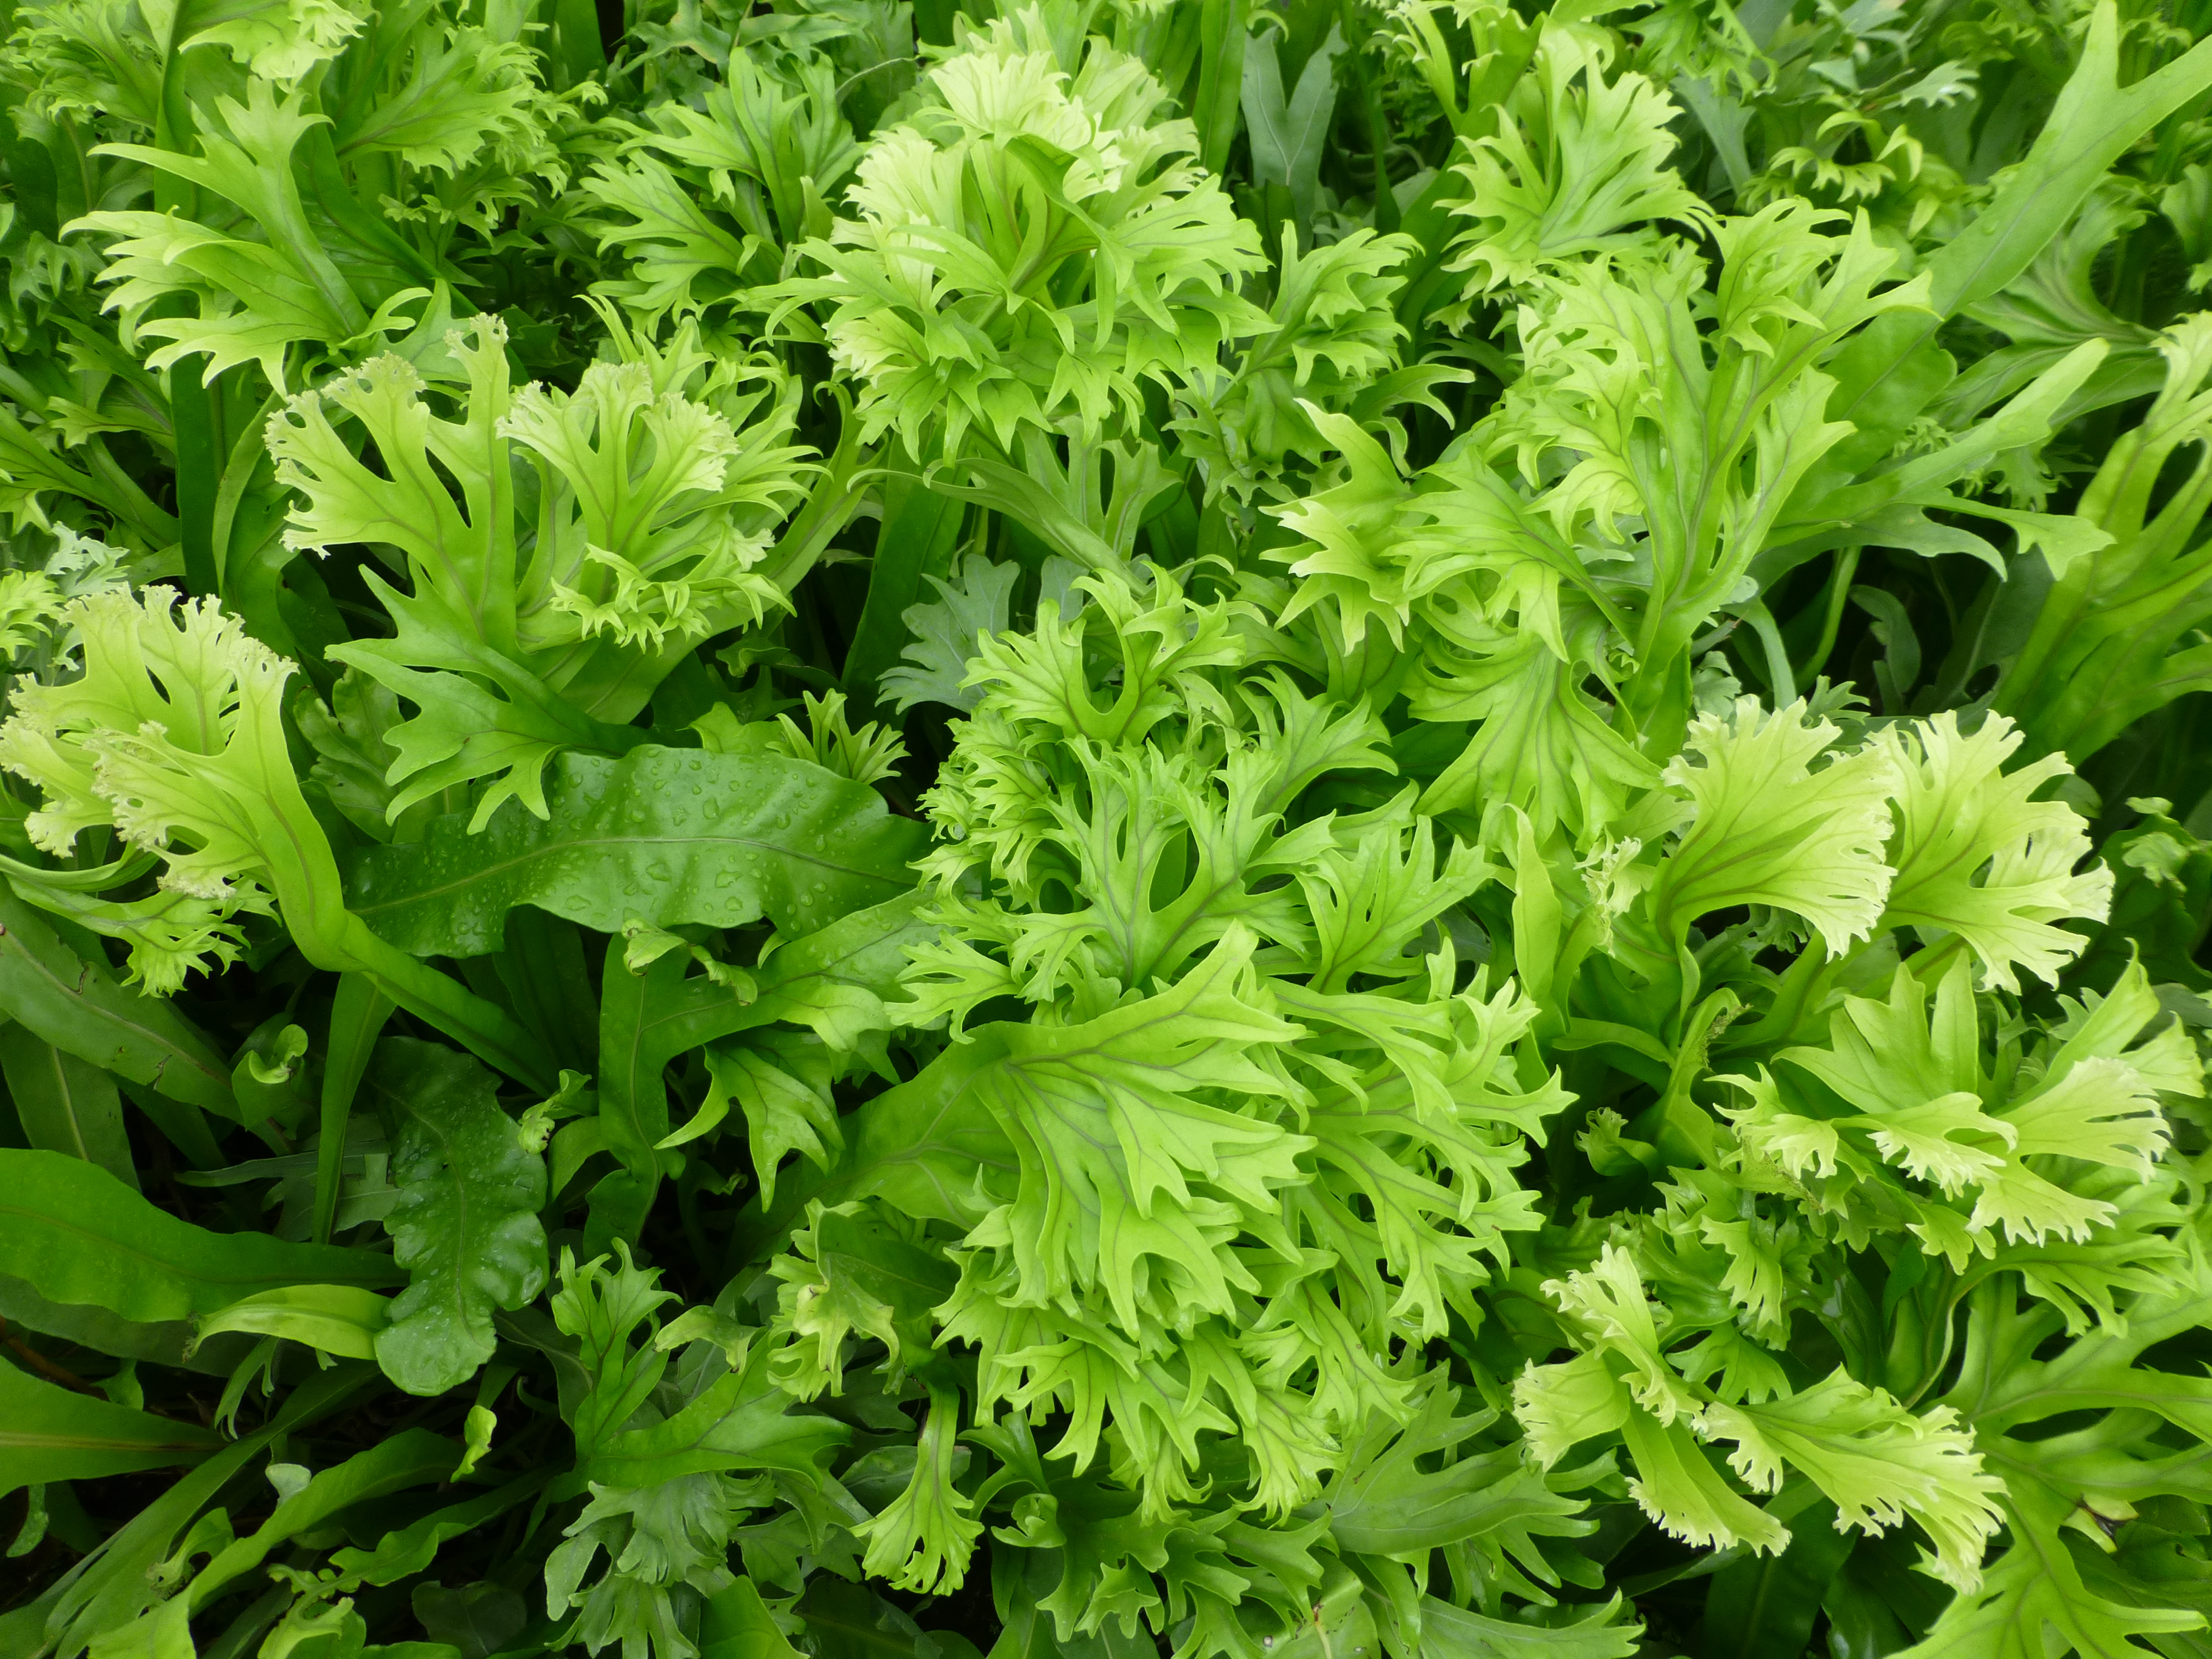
<point>923,1541</point>
<point>1879,1463</point>
<point>1976,856</point>
<point>174,736</point>
<point>340,1319</point>
<point>1767,828</point>
<point>289,289</point>
<point>1595,172</point>
<point>1678,1487</point>
<point>1606,1631</point>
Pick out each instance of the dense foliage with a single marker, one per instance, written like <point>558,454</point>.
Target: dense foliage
<point>1105,828</point>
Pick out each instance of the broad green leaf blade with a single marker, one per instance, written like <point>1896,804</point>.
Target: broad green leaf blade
<point>671,835</point>
<point>66,1104</point>
<point>944,633</point>
<point>552,984</point>
<point>1766,1604</point>
<point>48,1432</point>
<point>1288,133</point>
<point>358,1014</point>
<point>850,1621</point>
<point>164,1342</point>
<point>81,1007</point>
<point>76,1235</point>
<point>1609,1631</point>
<point>1223,40</point>
<point>736,1625</point>
<point>466,1224</point>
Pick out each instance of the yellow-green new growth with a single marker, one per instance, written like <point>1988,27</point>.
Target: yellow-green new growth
<point>1029,249</point>
<point>173,737</point>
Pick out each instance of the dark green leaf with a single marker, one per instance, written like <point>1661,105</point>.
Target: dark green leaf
<point>116,1584</point>
<point>66,1104</point>
<point>1766,1604</point>
<point>81,1007</point>
<point>76,1235</point>
<point>416,1458</point>
<point>48,1432</point>
<point>668,836</point>
<point>920,527</point>
<point>466,1224</point>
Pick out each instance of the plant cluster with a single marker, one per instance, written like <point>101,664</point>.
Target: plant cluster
<point>1202,828</point>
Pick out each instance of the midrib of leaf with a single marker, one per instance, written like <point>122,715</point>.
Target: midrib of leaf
<point>107,1245</point>
<point>486,872</point>
<point>38,1441</point>
<point>83,1149</point>
<point>9,942</point>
